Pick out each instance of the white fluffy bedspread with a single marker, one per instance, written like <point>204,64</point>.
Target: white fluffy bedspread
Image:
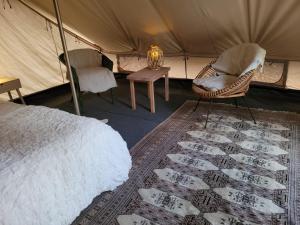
<point>52,165</point>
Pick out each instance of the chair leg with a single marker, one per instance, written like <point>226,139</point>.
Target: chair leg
<point>207,114</point>
<point>112,95</point>
<point>236,102</point>
<point>195,108</point>
<point>249,110</point>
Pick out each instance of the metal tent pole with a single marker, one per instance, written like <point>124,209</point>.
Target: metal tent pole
<point>64,44</point>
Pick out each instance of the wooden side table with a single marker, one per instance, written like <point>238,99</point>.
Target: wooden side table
<point>7,84</point>
<point>149,76</point>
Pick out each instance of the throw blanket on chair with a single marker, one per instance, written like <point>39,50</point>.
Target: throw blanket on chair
<point>92,75</point>
<point>240,59</point>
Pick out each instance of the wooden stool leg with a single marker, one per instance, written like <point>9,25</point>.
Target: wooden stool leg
<point>151,92</point>
<point>20,96</point>
<point>10,96</point>
<point>132,93</point>
<point>167,87</point>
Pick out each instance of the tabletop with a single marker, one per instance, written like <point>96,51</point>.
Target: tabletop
<point>147,74</point>
<point>6,79</point>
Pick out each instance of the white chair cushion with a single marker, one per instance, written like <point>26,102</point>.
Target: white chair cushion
<point>215,83</point>
<point>95,79</point>
<point>240,59</point>
<point>82,58</point>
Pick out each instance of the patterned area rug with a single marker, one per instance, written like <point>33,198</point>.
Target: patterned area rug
<point>232,173</point>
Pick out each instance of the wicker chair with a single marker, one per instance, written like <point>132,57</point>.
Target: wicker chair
<point>236,89</point>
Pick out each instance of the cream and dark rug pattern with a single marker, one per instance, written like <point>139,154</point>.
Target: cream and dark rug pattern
<point>233,172</point>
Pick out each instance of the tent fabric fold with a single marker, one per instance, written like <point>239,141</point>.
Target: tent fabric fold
<point>190,32</point>
<point>195,27</point>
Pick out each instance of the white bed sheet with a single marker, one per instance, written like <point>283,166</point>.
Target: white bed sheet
<point>52,164</point>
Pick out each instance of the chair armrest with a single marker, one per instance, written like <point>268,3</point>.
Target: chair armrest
<point>62,59</point>
<point>106,62</point>
<point>205,71</point>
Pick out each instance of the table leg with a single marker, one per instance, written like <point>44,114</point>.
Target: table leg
<point>148,90</point>
<point>151,92</point>
<point>20,96</point>
<point>132,93</point>
<point>167,87</point>
<point>10,96</point>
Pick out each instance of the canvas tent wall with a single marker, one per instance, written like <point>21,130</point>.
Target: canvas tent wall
<point>190,32</point>
<point>28,49</point>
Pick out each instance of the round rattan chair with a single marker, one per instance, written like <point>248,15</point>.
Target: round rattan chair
<point>236,89</point>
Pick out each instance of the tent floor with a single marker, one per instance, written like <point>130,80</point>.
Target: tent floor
<point>134,125</point>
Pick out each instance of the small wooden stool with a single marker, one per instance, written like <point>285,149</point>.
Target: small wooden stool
<point>7,84</point>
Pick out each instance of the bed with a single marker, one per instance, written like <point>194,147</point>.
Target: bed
<point>53,163</point>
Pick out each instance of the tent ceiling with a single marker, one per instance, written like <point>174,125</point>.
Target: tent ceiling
<point>194,27</point>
